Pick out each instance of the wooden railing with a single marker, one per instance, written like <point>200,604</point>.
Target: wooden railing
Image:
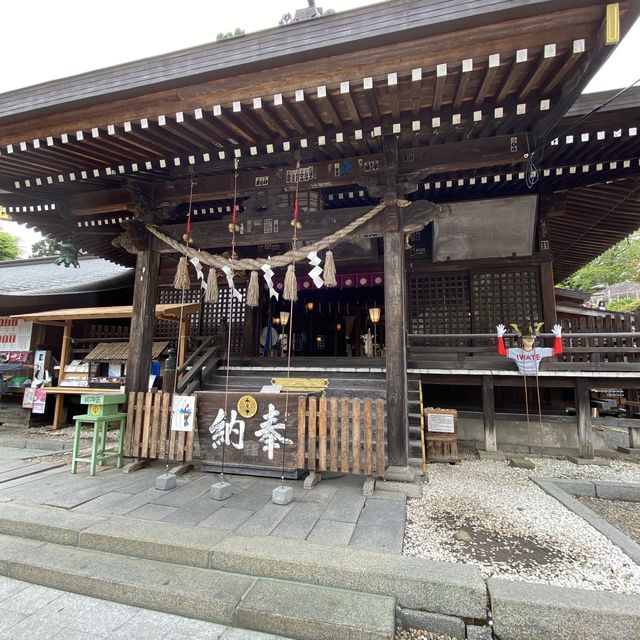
<point>203,360</point>
<point>341,434</point>
<point>596,348</point>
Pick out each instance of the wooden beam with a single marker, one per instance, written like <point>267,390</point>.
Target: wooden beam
<point>315,226</point>
<point>59,410</point>
<point>583,412</point>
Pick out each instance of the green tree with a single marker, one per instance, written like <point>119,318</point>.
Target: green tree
<point>619,263</point>
<point>624,305</point>
<point>44,248</point>
<point>230,34</point>
<point>9,247</point>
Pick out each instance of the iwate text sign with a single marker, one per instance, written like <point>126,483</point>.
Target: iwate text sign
<point>252,430</point>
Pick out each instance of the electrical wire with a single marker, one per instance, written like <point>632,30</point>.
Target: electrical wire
<point>532,173</point>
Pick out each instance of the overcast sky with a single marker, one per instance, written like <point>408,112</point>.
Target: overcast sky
<point>44,40</point>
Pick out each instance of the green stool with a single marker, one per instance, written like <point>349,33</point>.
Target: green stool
<point>102,410</point>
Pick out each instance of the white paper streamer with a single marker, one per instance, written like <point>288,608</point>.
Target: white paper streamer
<point>234,292</point>
<point>316,272</point>
<point>198,267</point>
<point>196,264</point>
<point>268,278</point>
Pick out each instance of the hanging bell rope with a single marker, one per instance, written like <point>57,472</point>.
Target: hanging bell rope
<point>290,284</point>
<point>253,291</point>
<point>182,281</point>
<point>329,270</point>
<point>211,293</point>
<point>251,264</point>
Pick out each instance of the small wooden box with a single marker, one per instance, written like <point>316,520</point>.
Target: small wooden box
<point>441,435</point>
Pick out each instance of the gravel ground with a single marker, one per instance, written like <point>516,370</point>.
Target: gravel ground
<point>416,634</point>
<point>621,514</point>
<point>486,513</point>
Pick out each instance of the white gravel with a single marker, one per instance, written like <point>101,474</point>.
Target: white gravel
<point>516,531</point>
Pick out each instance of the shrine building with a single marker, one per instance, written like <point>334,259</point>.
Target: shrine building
<point>439,155</point>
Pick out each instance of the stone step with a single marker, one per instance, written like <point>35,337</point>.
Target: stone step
<point>413,584</point>
<point>294,610</point>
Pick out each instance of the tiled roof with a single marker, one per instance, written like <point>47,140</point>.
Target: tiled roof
<point>41,276</point>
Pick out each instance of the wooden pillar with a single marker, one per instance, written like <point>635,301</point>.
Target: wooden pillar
<point>143,320</point>
<point>395,332</point>
<point>59,410</point>
<point>249,331</point>
<point>488,410</point>
<point>547,288</point>
<point>182,342</point>
<point>583,412</point>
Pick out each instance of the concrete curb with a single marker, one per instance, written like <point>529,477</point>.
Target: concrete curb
<point>418,584</point>
<point>555,488</point>
<point>525,611</point>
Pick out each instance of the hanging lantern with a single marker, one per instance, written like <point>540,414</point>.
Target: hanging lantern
<point>67,255</point>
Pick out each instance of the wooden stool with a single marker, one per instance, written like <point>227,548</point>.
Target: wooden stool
<point>100,427</point>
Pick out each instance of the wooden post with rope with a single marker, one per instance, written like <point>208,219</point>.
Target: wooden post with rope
<point>145,295</point>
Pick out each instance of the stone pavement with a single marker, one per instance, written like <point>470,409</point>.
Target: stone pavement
<point>40,613</point>
<point>334,512</point>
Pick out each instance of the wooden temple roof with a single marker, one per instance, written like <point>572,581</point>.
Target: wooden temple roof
<point>467,89</point>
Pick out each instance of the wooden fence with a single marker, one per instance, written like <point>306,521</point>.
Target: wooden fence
<point>148,436</point>
<point>341,434</point>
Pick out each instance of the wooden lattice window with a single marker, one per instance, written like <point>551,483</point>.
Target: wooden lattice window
<point>215,318</point>
<point>169,329</point>
<point>506,297</point>
<point>212,319</point>
<point>440,304</point>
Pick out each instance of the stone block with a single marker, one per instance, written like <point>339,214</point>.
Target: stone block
<point>282,495</point>
<point>400,474</point>
<point>433,623</point>
<point>599,462</point>
<point>476,632</point>
<point>520,462</point>
<point>311,480</point>
<point>220,491</point>
<point>44,523</point>
<point>338,532</point>
<point>629,491</point>
<point>526,611</point>
<point>634,452</point>
<point>491,455</point>
<point>576,487</point>
<point>368,487</point>
<point>166,482</point>
<point>381,526</point>
<point>186,591</point>
<point>309,612</point>
<point>162,541</point>
<point>440,587</point>
<point>409,489</point>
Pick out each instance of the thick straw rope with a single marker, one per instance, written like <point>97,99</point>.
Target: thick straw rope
<point>251,264</point>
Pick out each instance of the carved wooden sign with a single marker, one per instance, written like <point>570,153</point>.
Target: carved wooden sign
<point>254,432</point>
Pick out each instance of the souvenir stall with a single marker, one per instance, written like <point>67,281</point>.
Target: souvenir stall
<point>103,370</point>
